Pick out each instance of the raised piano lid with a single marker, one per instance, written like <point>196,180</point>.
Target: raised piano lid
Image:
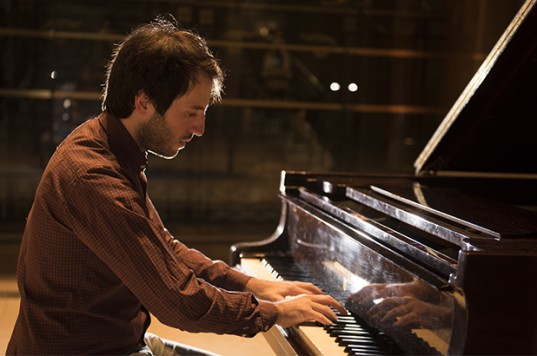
<point>491,128</point>
<point>486,146</point>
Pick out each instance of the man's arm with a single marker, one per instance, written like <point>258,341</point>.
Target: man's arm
<point>113,223</point>
<point>217,273</point>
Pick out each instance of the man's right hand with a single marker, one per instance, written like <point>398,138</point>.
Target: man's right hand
<point>307,308</point>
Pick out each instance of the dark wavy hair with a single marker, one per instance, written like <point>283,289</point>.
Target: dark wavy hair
<point>164,61</point>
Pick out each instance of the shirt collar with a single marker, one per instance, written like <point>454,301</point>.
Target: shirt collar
<point>122,144</point>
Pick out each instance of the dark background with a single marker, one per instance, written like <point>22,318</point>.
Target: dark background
<point>410,59</point>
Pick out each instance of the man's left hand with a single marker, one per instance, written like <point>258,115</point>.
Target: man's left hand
<point>277,290</point>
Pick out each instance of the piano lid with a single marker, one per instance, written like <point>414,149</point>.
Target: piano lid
<point>492,127</point>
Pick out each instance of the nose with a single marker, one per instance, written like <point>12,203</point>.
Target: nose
<point>199,126</point>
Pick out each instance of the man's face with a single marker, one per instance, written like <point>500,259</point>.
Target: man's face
<point>165,135</point>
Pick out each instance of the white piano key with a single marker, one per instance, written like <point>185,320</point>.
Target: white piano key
<point>319,342</point>
<point>314,338</point>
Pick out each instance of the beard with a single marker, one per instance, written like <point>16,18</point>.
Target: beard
<point>154,136</point>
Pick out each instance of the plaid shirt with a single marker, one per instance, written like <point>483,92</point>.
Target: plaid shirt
<point>95,258</point>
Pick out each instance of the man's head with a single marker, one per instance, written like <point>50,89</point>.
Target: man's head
<point>161,60</point>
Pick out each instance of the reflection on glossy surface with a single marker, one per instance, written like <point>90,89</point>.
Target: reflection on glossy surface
<point>374,285</point>
<point>400,309</point>
<point>386,305</point>
<point>348,280</point>
<point>399,305</point>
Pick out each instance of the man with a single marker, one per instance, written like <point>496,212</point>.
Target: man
<point>95,258</point>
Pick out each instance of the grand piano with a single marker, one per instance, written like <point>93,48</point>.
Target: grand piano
<point>440,262</point>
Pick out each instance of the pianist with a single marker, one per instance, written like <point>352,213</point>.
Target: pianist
<point>96,260</point>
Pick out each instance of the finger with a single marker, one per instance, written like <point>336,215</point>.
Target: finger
<point>308,288</point>
<point>321,318</point>
<point>409,318</point>
<point>331,302</point>
<point>375,316</point>
<point>394,313</point>
<point>382,307</point>
<point>375,309</point>
<point>326,311</point>
<point>323,314</point>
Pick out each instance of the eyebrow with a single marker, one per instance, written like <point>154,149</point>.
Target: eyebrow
<point>198,107</point>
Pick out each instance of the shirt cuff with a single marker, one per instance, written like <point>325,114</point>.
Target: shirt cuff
<point>236,280</point>
<point>267,314</point>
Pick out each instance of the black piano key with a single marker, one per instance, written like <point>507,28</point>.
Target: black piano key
<point>366,339</point>
<point>344,332</point>
<point>351,328</point>
<point>364,343</point>
<point>370,344</point>
<point>360,351</point>
<point>338,325</point>
<point>348,318</point>
<point>370,348</point>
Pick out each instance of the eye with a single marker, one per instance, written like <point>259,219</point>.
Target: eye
<point>191,114</point>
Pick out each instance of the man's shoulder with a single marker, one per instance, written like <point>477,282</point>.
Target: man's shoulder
<point>84,149</point>
<point>88,135</point>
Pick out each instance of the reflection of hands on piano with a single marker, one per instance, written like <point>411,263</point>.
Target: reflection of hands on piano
<point>371,293</point>
<point>401,304</point>
<point>408,311</point>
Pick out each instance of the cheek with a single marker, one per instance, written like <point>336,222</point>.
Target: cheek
<point>176,128</point>
<point>173,125</point>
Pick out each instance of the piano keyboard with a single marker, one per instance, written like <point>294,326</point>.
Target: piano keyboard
<point>348,336</point>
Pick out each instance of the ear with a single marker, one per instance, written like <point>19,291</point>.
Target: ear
<point>142,103</point>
